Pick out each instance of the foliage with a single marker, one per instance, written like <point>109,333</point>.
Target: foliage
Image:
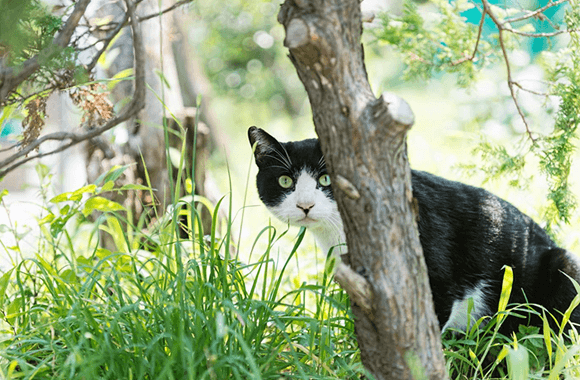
<point>482,351</point>
<point>241,44</point>
<point>556,149</point>
<point>439,38</point>
<point>158,307</point>
<point>27,29</point>
<point>436,42</point>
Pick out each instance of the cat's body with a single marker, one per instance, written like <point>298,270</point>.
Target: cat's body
<point>468,234</point>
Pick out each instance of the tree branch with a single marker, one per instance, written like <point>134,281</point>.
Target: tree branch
<point>131,110</point>
<point>479,31</point>
<point>536,12</point>
<point>166,10</point>
<point>10,77</point>
<point>501,29</point>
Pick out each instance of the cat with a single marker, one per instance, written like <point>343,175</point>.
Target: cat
<point>468,235</point>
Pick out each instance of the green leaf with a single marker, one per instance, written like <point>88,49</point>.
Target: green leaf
<point>547,334</point>
<point>4,281</point>
<point>14,310</point>
<point>101,204</point>
<point>65,210</point>
<point>189,186</point>
<point>88,189</point>
<point>132,186</point>
<point>162,77</point>
<point>74,196</point>
<point>57,225</point>
<point>108,186</point>
<point>502,354</point>
<point>3,194</point>
<point>42,170</point>
<point>112,175</point>
<point>506,289</point>
<point>60,198</point>
<point>119,77</point>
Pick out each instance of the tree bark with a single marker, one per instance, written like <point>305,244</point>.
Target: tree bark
<point>364,141</point>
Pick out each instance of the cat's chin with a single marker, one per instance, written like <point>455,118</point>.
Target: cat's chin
<point>305,222</point>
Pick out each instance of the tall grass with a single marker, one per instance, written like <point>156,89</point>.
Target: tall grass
<point>180,309</point>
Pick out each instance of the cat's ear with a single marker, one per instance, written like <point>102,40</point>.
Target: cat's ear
<point>264,144</point>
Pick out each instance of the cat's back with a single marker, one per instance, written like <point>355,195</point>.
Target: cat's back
<point>473,218</point>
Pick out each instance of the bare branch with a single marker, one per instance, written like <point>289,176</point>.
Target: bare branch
<point>538,35</point>
<point>136,104</point>
<point>168,9</point>
<point>536,12</point>
<point>357,287</point>
<point>107,41</point>
<point>472,57</point>
<point>501,28</point>
<point>11,78</point>
<point>517,84</point>
<point>124,22</point>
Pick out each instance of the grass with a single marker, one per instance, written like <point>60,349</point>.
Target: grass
<point>163,307</point>
<point>159,307</point>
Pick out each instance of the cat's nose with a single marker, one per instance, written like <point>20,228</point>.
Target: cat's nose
<point>306,207</point>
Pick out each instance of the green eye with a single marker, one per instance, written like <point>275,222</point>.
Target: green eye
<point>285,181</point>
<point>324,180</point>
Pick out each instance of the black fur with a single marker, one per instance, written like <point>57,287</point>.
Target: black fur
<point>468,235</point>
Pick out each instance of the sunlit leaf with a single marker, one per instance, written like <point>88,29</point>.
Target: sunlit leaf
<point>101,204</point>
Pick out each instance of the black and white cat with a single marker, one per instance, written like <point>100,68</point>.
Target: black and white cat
<point>468,234</point>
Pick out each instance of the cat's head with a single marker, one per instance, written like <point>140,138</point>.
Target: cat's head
<point>292,180</point>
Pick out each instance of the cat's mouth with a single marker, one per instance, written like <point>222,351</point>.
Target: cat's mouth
<point>306,221</point>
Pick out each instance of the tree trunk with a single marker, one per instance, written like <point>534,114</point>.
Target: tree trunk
<point>363,140</point>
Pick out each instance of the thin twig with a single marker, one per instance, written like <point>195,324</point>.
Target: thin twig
<point>169,9</point>
<point>536,12</point>
<point>107,41</point>
<point>511,83</point>
<point>479,31</point>
<point>124,22</point>
<point>530,91</point>
<point>538,35</point>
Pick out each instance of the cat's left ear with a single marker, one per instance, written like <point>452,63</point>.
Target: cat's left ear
<point>264,142</point>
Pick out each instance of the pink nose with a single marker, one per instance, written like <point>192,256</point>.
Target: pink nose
<point>306,207</point>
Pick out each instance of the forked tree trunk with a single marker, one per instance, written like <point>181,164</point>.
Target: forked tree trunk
<point>364,141</point>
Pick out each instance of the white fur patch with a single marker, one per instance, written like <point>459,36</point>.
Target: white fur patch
<point>459,310</point>
<point>322,219</point>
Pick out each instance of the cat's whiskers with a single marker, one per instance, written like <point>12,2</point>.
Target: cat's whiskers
<point>322,163</point>
<point>280,158</point>
<point>279,166</point>
<point>287,156</point>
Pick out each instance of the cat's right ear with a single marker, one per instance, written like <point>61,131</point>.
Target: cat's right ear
<point>263,144</point>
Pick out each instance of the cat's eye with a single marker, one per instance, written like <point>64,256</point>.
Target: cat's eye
<point>324,180</point>
<point>285,181</point>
